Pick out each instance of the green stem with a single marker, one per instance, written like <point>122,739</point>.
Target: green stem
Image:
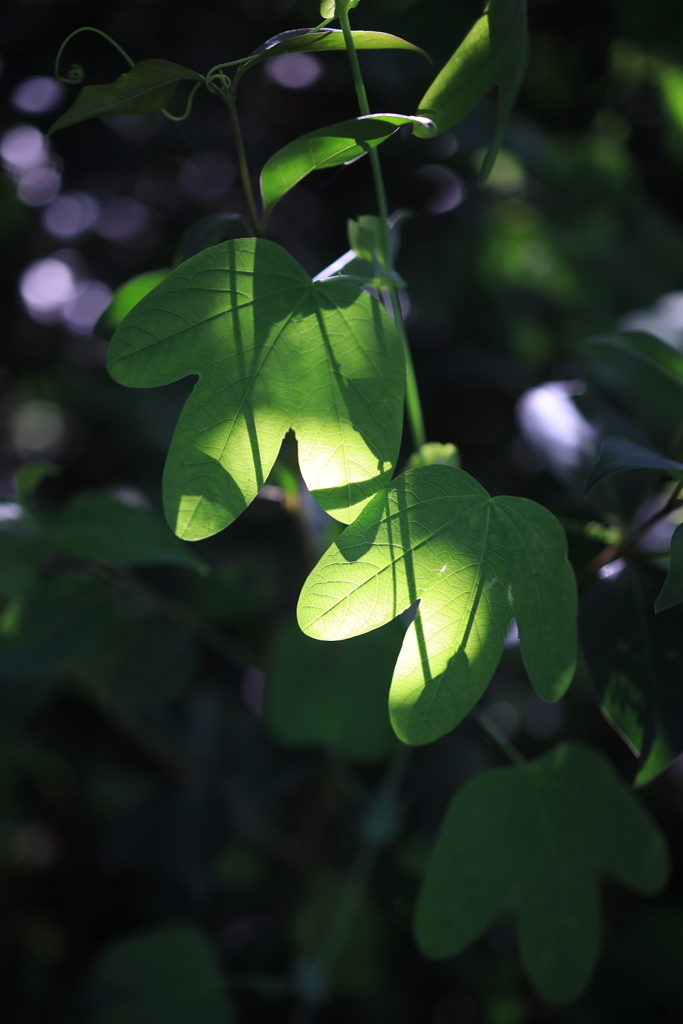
<point>76,73</point>
<point>413,403</point>
<point>498,736</point>
<point>229,97</point>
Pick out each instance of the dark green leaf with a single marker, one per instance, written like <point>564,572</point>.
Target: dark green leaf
<point>475,563</point>
<point>22,552</point>
<point>536,839</point>
<point>635,658</point>
<point>671,593</point>
<point>333,695</point>
<point>125,297</point>
<point>204,233</point>
<point>306,40</point>
<point>144,89</point>
<point>29,477</point>
<point>335,144</point>
<point>274,351</point>
<point>494,54</point>
<point>618,454</point>
<point>100,527</point>
<point>167,976</point>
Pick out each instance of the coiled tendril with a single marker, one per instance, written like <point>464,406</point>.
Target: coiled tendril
<point>76,74</point>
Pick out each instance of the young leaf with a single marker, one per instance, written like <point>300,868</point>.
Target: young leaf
<point>29,477</point>
<point>475,563</point>
<point>635,659</point>
<point>99,527</point>
<point>328,8</point>
<point>333,695</point>
<point>434,454</point>
<point>170,974</point>
<point>618,454</point>
<point>493,54</point>
<point>273,351</point>
<point>671,593</point>
<point>537,838</point>
<point>144,89</point>
<point>328,147</point>
<point>124,298</point>
<point>306,40</point>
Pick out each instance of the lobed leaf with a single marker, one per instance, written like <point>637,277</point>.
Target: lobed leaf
<point>474,563</point>
<point>537,839</point>
<point>124,298</point>
<point>144,89</point>
<point>618,454</point>
<point>273,351</point>
<point>494,54</point>
<point>336,144</point>
<point>306,40</point>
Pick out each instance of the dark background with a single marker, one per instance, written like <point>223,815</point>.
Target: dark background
<point>119,819</point>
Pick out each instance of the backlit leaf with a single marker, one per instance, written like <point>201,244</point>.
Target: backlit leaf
<point>306,40</point>
<point>273,351</point>
<point>494,54</point>
<point>475,563</point>
<point>124,298</point>
<point>536,839</point>
<point>335,144</point>
<point>618,454</point>
<point>328,8</point>
<point>144,89</point>
<point>672,592</point>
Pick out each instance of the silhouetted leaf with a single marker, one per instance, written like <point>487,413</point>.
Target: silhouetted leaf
<point>618,454</point>
<point>671,593</point>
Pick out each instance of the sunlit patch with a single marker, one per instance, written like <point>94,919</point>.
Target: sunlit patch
<point>294,70</point>
<point>449,189</point>
<point>507,175</point>
<point>612,569</point>
<point>71,214</point>
<point>37,428</point>
<point>121,219</point>
<point>37,95</point>
<point>552,424</point>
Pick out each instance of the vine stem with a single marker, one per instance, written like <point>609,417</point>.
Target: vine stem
<point>228,94</point>
<point>506,747</point>
<point>413,403</point>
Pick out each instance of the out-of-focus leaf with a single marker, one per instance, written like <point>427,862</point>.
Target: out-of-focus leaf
<point>233,592</point>
<point>99,527</point>
<point>618,454</point>
<point>537,838</point>
<point>635,658</point>
<point>166,976</point>
<point>306,40</point>
<point>331,146</point>
<point>640,373</point>
<point>125,297</point>
<point>204,233</point>
<point>29,477</point>
<point>494,54</point>
<point>671,84</point>
<point>475,563</point>
<point>22,552</point>
<point>273,351</point>
<point>671,593</point>
<point>333,694</point>
<point>434,454</point>
<point>144,89</point>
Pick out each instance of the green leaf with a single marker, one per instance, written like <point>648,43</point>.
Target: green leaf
<point>434,454</point>
<point>494,54</point>
<point>166,976</point>
<point>328,8</point>
<point>144,89</point>
<point>204,233</point>
<point>644,376</point>
<point>29,477</point>
<point>365,237</point>
<point>22,553</point>
<point>124,298</point>
<point>307,40</point>
<point>475,563</point>
<point>100,527</point>
<point>635,659</point>
<point>336,144</point>
<point>273,351</point>
<point>333,695</point>
<point>671,593</point>
<point>536,839</point>
<point>618,454</point>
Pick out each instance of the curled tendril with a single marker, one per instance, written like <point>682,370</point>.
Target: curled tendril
<point>75,74</point>
<point>188,105</point>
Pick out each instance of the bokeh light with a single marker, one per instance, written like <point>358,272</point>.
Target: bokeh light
<point>37,95</point>
<point>294,70</point>
<point>71,214</point>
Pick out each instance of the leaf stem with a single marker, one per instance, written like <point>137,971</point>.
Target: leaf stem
<point>413,403</point>
<point>486,723</point>
<point>227,92</point>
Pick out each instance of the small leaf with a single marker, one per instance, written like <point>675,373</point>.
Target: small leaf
<point>365,237</point>
<point>273,351</point>
<point>144,89</point>
<point>328,8</point>
<point>671,593</point>
<point>618,454</point>
<point>474,563</point>
<point>307,40</point>
<point>99,527</point>
<point>537,838</point>
<point>169,974</point>
<point>494,54</point>
<point>29,477</point>
<point>635,659</point>
<point>434,454</point>
<point>124,298</point>
<point>336,144</point>
<point>333,695</point>
<point>204,233</point>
